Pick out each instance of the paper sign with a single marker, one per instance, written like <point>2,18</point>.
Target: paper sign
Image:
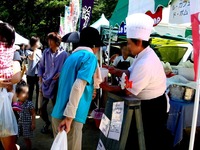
<point>100,146</point>
<point>105,124</point>
<point>116,121</point>
<point>180,12</point>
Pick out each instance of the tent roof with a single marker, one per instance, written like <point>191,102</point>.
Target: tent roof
<point>20,39</point>
<point>142,6</point>
<point>173,30</point>
<point>120,12</point>
<point>101,22</point>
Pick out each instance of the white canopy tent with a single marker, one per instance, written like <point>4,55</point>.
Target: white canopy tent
<point>20,39</point>
<point>101,22</point>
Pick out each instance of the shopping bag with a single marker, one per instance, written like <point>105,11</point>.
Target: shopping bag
<point>60,142</point>
<point>8,122</point>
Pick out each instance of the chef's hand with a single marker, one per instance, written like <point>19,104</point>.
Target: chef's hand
<point>56,76</point>
<point>65,124</point>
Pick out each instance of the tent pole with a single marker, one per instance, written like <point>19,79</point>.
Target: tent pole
<point>195,111</point>
<point>100,90</point>
<point>80,15</point>
<point>109,44</point>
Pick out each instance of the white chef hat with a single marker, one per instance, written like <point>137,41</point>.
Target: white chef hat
<point>139,26</point>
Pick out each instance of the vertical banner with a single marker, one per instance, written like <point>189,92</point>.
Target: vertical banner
<point>86,13</point>
<point>75,11</point>
<point>68,20</point>
<point>62,25</point>
<point>195,20</point>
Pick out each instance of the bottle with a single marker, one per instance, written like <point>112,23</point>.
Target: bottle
<point>109,79</point>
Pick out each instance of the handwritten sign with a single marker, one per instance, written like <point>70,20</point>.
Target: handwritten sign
<point>100,146</point>
<point>116,121</point>
<point>180,12</point>
<point>104,125</point>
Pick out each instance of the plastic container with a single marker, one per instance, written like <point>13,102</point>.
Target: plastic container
<point>97,115</point>
<point>104,73</point>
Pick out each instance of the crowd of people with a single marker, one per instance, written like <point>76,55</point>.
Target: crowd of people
<point>42,76</point>
<point>70,82</point>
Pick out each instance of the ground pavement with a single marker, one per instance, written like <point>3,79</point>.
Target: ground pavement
<point>44,141</point>
<point>90,137</point>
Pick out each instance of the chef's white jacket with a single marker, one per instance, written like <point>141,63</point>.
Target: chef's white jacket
<point>147,76</point>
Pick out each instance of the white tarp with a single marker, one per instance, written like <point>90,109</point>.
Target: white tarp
<point>101,22</point>
<point>171,29</point>
<point>141,6</point>
<point>20,39</point>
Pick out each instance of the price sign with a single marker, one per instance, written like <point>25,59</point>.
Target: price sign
<point>180,12</point>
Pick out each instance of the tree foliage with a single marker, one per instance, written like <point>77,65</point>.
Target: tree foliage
<point>39,17</point>
<point>103,6</point>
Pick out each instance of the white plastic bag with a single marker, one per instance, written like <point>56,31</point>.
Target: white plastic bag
<point>60,142</point>
<point>8,123</point>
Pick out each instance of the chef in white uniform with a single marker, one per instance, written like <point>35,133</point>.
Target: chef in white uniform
<point>148,80</point>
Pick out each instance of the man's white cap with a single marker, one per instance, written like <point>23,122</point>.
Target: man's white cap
<point>139,26</point>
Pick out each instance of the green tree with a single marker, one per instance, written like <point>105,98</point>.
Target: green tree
<point>103,6</point>
<point>33,17</point>
<point>39,17</point>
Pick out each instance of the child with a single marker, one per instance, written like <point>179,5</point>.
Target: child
<point>26,122</point>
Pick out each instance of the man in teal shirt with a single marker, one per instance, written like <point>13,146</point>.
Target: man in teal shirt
<point>76,86</point>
